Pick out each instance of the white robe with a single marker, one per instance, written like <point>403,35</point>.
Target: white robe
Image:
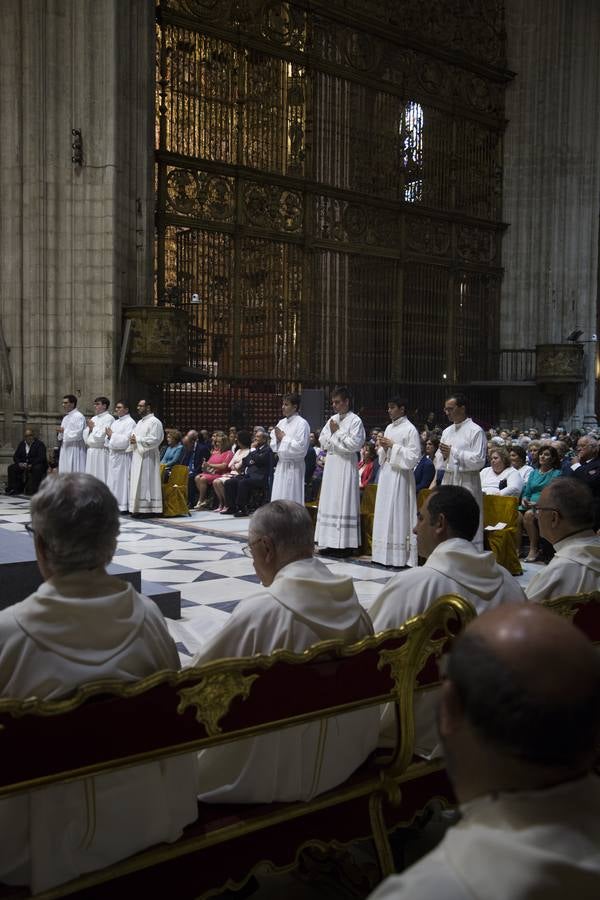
<point>394,543</point>
<point>76,629</point>
<point>305,604</point>
<point>466,459</point>
<point>338,516</point>
<point>97,446</point>
<point>454,567</point>
<point>72,450</point>
<point>145,489</point>
<point>119,460</point>
<point>574,569</point>
<point>490,482</point>
<point>288,481</point>
<point>513,846</point>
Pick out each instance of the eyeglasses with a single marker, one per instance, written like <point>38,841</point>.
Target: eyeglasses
<point>538,509</point>
<point>247,548</point>
<point>29,529</point>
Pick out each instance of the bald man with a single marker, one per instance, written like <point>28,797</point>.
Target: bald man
<point>520,723</point>
<point>565,516</point>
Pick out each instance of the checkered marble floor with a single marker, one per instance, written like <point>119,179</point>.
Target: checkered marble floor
<point>200,556</point>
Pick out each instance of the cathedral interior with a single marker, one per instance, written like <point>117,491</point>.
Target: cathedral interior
<point>211,203</point>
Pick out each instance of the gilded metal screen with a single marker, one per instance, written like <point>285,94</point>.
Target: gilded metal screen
<point>328,199</point>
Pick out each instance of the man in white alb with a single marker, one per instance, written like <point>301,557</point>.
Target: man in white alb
<point>94,435</point>
<point>399,451</point>
<point>565,516</point>
<point>70,436</point>
<point>520,726</point>
<point>145,490</point>
<point>300,603</point>
<point>84,625</point>
<point>120,455</point>
<point>290,440</point>
<point>464,449</point>
<point>338,516</point>
<point>446,525</point>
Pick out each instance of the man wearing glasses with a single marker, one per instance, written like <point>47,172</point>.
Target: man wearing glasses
<point>301,603</point>
<point>564,515</point>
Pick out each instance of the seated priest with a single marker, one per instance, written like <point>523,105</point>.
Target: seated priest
<point>30,464</point>
<point>80,626</point>
<point>300,604</point>
<point>519,721</point>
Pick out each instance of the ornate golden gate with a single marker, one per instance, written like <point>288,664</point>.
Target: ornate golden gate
<point>329,187</point>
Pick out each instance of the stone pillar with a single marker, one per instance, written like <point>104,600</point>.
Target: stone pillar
<point>75,239</point>
<point>552,182</point>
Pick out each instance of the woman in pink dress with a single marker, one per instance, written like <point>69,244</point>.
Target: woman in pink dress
<point>243,449</point>
<point>213,468</point>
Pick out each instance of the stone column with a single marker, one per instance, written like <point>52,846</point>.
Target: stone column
<point>552,181</point>
<point>75,239</point>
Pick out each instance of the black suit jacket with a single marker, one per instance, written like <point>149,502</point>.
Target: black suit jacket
<point>258,465</point>
<point>37,454</point>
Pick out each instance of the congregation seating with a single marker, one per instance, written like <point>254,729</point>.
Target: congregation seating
<point>108,725</point>
<point>582,609</point>
<point>175,491</point>
<point>504,543</point>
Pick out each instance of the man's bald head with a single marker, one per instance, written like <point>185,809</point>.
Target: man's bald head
<point>528,684</point>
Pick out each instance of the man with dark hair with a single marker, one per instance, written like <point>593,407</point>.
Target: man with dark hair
<point>289,440</point>
<point>338,516</point>
<point>446,525</point>
<point>464,449</point>
<point>119,454</point>
<point>519,721</point>
<point>30,464</point>
<point>565,513</point>
<point>399,450</point>
<point>96,440</point>
<point>299,604</point>
<point>70,437</point>
<point>145,487</point>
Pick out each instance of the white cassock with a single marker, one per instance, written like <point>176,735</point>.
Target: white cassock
<point>490,482</point>
<point>454,567</point>
<point>97,450</point>
<point>394,543</point>
<point>520,845</point>
<point>338,516</point>
<point>305,604</point>
<point>72,449</point>
<point>574,569</point>
<point>145,489</point>
<point>466,460</point>
<point>288,481</point>
<point>51,643</point>
<point>119,460</point>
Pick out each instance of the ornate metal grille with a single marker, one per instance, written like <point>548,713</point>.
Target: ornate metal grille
<point>329,186</point>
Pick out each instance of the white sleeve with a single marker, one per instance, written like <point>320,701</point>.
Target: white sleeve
<point>408,454</point>
<point>73,432</point>
<point>295,444</point>
<point>151,440</point>
<point>348,442</point>
<point>471,458</point>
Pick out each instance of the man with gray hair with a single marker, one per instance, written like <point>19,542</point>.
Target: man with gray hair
<point>588,470</point>
<point>82,625</point>
<point>564,515</point>
<point>301,603</point>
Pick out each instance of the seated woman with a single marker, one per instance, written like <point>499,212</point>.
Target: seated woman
<point>215,466</point>
<point>549,468</point>
<point>518,460</point>
<point>173,453</point>
<point>366,466</point>
<point>499,477</point>
<point>314,486</point>
<point>233,470</point>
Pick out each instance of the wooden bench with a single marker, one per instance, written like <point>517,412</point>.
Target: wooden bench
<point>582,609</point>
<point>109,725</point>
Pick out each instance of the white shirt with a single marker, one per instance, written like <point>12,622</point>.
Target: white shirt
<point>490,482</point>
<point>574,569</point>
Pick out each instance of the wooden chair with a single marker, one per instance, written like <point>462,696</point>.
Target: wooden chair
<point>175,492</point>
<point>582,609</point>
<point>109,725</point>
<point>367,515</point>
<point>504,544</point>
